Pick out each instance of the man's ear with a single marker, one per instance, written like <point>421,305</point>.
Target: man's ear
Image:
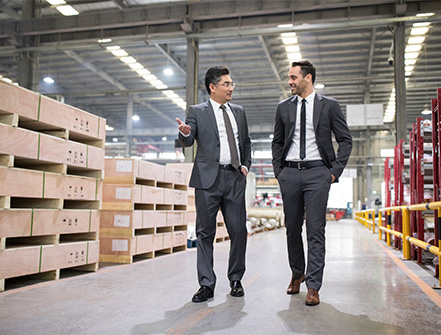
<point>212,87</point>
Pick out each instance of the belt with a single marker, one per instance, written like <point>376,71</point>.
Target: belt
<point>304,165</point>
<point>227,167</point>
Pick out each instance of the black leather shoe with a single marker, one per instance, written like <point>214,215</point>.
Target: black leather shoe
<point>203,294</point>
<point>236,288</point>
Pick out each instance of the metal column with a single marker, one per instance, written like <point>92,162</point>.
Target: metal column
<point>400,84</point>
<point>192,86</point>
<point>129,126</point>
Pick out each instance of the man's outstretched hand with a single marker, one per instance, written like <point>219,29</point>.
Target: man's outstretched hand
<point>183,128</point>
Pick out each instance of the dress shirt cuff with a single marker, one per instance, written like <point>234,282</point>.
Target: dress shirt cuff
<point>184,134</point>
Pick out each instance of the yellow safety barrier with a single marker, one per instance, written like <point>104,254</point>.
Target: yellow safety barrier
<point>363,218</point>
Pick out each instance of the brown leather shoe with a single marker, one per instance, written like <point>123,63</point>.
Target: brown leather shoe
<point>312,297</point>
<point>294,285</point>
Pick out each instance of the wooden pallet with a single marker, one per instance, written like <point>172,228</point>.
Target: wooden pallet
<point>133,171</point>
<point>41,113</point>
<point>15,182</point>
<point>123,249</point>
<point>32,150</point>
<point>43,259</point>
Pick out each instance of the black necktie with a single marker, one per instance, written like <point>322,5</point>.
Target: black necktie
<point>230,137</point>
<point>303,130</point>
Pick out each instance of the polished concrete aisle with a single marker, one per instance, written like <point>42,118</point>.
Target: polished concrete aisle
<point>367,290</point>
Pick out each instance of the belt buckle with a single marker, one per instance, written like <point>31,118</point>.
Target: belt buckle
<point>301,165</point>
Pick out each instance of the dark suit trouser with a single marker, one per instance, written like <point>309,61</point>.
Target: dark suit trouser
<point>227,193</point>
<point>306,192</point>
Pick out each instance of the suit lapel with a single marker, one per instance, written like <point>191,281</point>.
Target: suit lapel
<point>292,115</point>
<point>212,117</point>
<point>239,128</point>
<point>318,107</point>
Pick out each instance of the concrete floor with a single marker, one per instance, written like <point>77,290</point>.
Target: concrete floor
<point>367,289</point>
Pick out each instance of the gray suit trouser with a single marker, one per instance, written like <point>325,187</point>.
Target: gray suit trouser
<point>305,192</point>
<point>228,194</point>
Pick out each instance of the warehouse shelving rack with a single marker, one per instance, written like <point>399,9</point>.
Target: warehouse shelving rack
<point>436,136</point>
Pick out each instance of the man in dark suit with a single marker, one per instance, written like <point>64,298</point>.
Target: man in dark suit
<point>305,165</point>
<point>222,161</point>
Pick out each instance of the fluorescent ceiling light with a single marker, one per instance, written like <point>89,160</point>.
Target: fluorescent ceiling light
<point>421,24</point>
<point>128,60</point>
<point>409,61</point>
<point>109,128</point>
<point>161,87</point>
<point>105,40</point>
<point>289,40</point>
<point>292,48</point>
<point>156,82</point>
<point>409,68</point>
<point>288,25</point>
<point>136,66</point>
<point>150,77</point>
<point>7,80</point>
<point>294,55</point>
<point>413,48</point>
<point>416,39</point>
<point>67,10</point>
<point>113,47</point>
<point>114,139</point>
<point>143,72</point>
<point>119,53</point>
<point>172,96</point>
<point>48,80</point>
<point>426,111</point>
<point>425,14</point>
<point>135,118</point>
<point>411,55</point>
<point>319,86</point>
<point>419,31</point>
<point>288,34</point>
<point>56,2</point>
<point>407,74</point>
<point>164,138</point>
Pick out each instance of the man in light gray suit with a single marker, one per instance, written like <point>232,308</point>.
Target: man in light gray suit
<point>222,161</point>
<point>305,165</point>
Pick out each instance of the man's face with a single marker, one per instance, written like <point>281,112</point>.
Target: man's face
<point>296,80</point>
<point>223,91</point>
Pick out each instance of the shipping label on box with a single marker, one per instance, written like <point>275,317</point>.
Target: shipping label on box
<point>124,166</point>
<point>121,221</point>
<point>123,193</point>
<point>120,245</point>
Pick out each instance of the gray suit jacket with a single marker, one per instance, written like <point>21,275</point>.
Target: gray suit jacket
<point>205,132</point>
<point>327,119</point>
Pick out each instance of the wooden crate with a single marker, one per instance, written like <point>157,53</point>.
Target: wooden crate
<point>42,113</point>
<point>23,261</point>
<point>18,100</point>
<point>36,222</point>
<point>132,171</point>
<point>17,182</point>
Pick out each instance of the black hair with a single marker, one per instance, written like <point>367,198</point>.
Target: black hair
<point>214,74</point>
<point>306,67</point>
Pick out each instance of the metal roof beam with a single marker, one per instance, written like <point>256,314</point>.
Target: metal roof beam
<point>116,83</point>
<point>9,11</point>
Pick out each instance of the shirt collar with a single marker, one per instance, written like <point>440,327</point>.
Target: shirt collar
<point>217,105</point>
<point>310,98</point>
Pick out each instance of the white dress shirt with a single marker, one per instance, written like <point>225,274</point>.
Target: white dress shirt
<point>225,156</point>
<point>312,152</point>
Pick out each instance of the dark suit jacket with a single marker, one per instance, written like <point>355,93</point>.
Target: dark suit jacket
<point>204,130</point>
<point>327,119</point>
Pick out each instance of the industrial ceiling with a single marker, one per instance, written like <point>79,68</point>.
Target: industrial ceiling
<point>349,41</point>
